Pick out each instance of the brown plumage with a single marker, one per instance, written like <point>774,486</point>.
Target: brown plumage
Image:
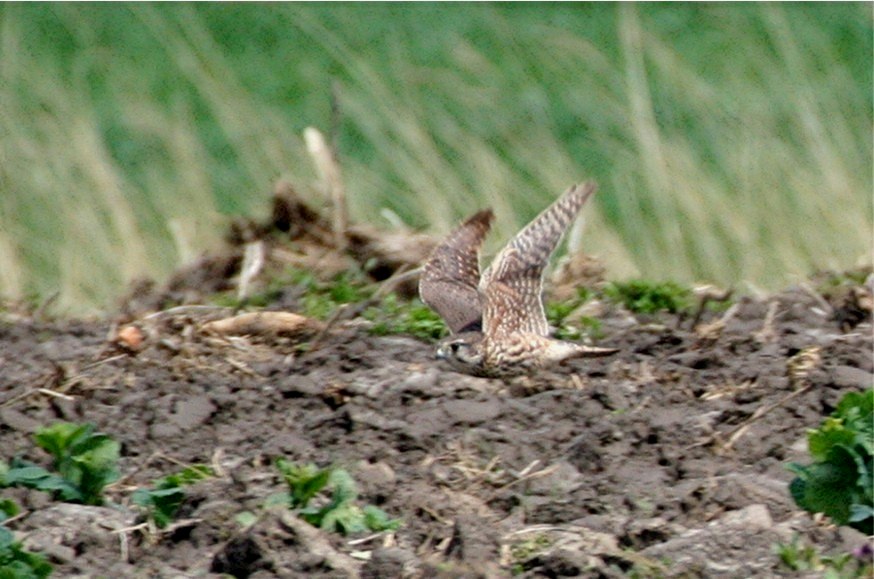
<point>497,319</point>
<point>451,275</point>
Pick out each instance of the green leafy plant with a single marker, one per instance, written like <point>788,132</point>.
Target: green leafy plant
<point>390,315</point>
<point>15,562</point>
<point>522,551</point>
<point>840,481</point>
<point>393,316</point>
<point>321,299</point>
<point>828,282</point>
<point>802,557</point>
<point>646,297</point>
<point>559,315</point>
<point>164,499</point>
<point>317,298</point>
<point>339,513</point>
<point>84,463</point>
<point>8,508</point>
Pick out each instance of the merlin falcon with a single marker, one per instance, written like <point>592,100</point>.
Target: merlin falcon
<point>496,319</point>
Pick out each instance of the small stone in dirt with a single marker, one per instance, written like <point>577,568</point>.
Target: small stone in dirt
<point>193,411</point>
<point>850,377</point>
<point>374,419</point>
<point>296,386</point>
<point>426,422</point>
<point>290,443</point>
<point>164,430</point>
<point>421,382</point>
<point>17,421</point>
<point>755,517</point>
<point>130,337</point>
<point>473,411</point>
<point>561,480</point>
<point>376,479</point>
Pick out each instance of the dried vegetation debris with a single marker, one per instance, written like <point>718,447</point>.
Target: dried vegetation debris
<point>296,235</point>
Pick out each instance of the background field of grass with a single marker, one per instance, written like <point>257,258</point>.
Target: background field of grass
<point>733,143</point>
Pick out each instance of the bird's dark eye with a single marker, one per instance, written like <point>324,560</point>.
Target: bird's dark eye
<point>454,346</point>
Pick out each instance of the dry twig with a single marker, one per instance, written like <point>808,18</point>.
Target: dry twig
<point>767,333</point>
<point>253,263</point>
<point>708,294</point>
<point>326,164</point>
<point>739,430</point>
<point>712,331</point>
<point>265,323</point>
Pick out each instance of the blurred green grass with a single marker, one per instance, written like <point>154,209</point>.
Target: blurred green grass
<point>733,143</point>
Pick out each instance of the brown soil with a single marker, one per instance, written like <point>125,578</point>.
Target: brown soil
<point>667,459</point>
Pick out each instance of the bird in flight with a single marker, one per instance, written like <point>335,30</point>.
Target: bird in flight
<point>496,319</point>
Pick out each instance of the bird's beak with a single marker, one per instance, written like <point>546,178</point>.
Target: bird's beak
<point>442,353</point>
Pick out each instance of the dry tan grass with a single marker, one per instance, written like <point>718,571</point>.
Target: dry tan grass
<point>755,167</point>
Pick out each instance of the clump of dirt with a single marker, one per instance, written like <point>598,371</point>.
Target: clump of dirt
<point>667,459</point>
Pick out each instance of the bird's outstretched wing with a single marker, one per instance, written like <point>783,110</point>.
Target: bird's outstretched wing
<point>511,287</point>
<point>449,280</point>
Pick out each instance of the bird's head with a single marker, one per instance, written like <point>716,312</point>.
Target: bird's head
<point>462,352</point>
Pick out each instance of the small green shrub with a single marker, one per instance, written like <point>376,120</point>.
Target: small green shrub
<point>828,282</point>
<point>15,562</point>
<point>558,313</point>
<point>321,299</point>
<point>340,513</point>
<point>840,481</point>
<point>318,299</point>
<point>164,499</point>
<point>84,463</point>
<point>392,316</point>
<point>645,297</point>
<point>525,550</point>
<point>805,558</point>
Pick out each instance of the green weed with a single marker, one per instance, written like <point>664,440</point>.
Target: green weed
<point>15,562</point>
<point>394,316</point>
<point>645,297</point>
<point>84,463</point>
<point>522,551</point>
<point>830,284</point>
<point>558,314</point>
<point>163,500</point>
<point>316,298</point>
<point>321,299</point>
<point>806,558</point>
<point>339,513</point>
<point>851,277</point>
<point>840,481</point>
